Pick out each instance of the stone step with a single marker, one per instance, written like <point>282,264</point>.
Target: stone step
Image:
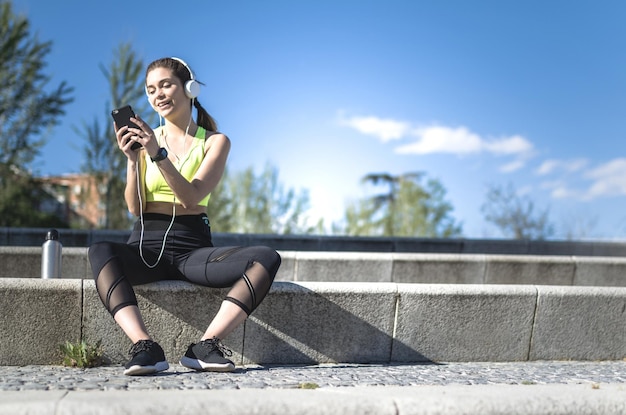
<point>324,266</point>
<point>329,322</point>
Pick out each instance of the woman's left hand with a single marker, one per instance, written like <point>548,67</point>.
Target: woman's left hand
<point>144,135</point>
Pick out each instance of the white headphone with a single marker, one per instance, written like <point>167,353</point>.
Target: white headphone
<point>192,87</point>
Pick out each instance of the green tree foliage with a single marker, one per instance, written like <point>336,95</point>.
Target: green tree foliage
<point>246,203</point>
<point>21,199</point>
<point>411,206</point>
<point>514,215</point>
<point>103,159</point>
<point>28,110</point>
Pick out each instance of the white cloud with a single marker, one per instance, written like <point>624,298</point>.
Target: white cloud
<point>509,145</point>
<point>547,167</point>
<point>609,179</point>
<point>569,166</point>
<point>384,128</point>
<point>442,140</point>
<point>562,192</point>
<point>461,141</point>
<point>559,189</point>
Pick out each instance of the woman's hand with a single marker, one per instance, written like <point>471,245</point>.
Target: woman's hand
<point>144,135</point>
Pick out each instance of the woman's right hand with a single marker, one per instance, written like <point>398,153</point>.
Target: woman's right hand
<point>125,140</point>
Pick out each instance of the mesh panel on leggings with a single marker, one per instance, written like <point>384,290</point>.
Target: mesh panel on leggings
<point>251,288</point>
<point>113,287</point>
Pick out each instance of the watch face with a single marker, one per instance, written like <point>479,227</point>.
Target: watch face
<point>161,155</point>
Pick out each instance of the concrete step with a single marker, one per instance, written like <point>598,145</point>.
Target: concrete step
<point>329,322</point>
<point>301,266</point>
<point>419,400</point>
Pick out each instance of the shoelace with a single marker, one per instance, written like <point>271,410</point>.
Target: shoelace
<point>140,346</point>
<point>216,343</point>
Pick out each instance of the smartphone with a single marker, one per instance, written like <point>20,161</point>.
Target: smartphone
<point>121,116</point>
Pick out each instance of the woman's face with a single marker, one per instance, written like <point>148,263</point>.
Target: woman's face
<point>165,92</point>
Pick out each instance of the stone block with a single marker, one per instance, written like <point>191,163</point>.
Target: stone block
<point>20,262</point>
<point>25,262</point>
<point>176,314</point>
<point>309,323</point>
<point>438,268</point>
<point>287,270</point>
<point>601,271</point>
<point>75,263</point>
<point>463,322</point>
<point>344,266</point>
<point>540,270</point>
<point>37,317</point>
<point>580,323</point>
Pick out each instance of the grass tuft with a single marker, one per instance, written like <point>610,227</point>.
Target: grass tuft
<point>81,354</point>
<point>308,385</point>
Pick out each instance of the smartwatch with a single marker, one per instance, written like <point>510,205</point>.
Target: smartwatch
<point>161,155</point>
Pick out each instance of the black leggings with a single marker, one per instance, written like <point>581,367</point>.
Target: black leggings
<point>189,255</point>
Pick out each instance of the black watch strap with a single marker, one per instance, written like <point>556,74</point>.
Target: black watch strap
<point>161,155</point>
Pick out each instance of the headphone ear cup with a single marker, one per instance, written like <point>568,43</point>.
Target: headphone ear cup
<point>192,89</point>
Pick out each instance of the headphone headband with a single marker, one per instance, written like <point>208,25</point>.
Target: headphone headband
<point>192,87</point>
<point>193,78</point>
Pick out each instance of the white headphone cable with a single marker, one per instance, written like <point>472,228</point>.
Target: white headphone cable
<point>142,225</point>
<point>141,205</point>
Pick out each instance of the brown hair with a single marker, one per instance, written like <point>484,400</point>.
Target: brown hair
<point>204,119</point>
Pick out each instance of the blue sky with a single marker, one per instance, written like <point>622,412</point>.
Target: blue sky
<point>473,93</point>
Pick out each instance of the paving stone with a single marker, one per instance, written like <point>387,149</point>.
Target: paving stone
<point>28,378</point>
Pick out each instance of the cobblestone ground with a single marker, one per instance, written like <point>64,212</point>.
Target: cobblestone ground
<point>28,378</point>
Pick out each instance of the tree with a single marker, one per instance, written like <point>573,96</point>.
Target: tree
<point>409,207</point>
<point>103,159</point>
<point>22,199</point>
<point>245,203</point>
<point>28,110</point>
<point>515,215</point>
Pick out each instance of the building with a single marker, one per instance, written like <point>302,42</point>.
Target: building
<point>75,199</point>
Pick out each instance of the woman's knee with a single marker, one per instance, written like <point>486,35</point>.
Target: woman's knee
<point>269,258</point>
<point>100,253</point>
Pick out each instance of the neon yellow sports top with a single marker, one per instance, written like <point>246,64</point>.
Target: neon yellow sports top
<point>157,189</point>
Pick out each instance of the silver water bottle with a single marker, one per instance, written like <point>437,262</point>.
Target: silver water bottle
<point>51,256</point>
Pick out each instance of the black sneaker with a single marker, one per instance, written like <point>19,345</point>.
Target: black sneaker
<point>147,358</point>
<point>208,356</point>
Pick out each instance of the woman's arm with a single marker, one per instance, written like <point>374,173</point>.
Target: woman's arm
<point>125,142</point>
<point>130,192</point>
<point>190,193</point>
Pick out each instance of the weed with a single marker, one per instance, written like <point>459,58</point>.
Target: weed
<point>308,385</point>
<point>81,354</point>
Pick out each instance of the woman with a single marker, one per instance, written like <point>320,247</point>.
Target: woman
<point>169,182</point>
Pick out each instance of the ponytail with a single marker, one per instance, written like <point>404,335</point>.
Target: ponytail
<point>204,119</point>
